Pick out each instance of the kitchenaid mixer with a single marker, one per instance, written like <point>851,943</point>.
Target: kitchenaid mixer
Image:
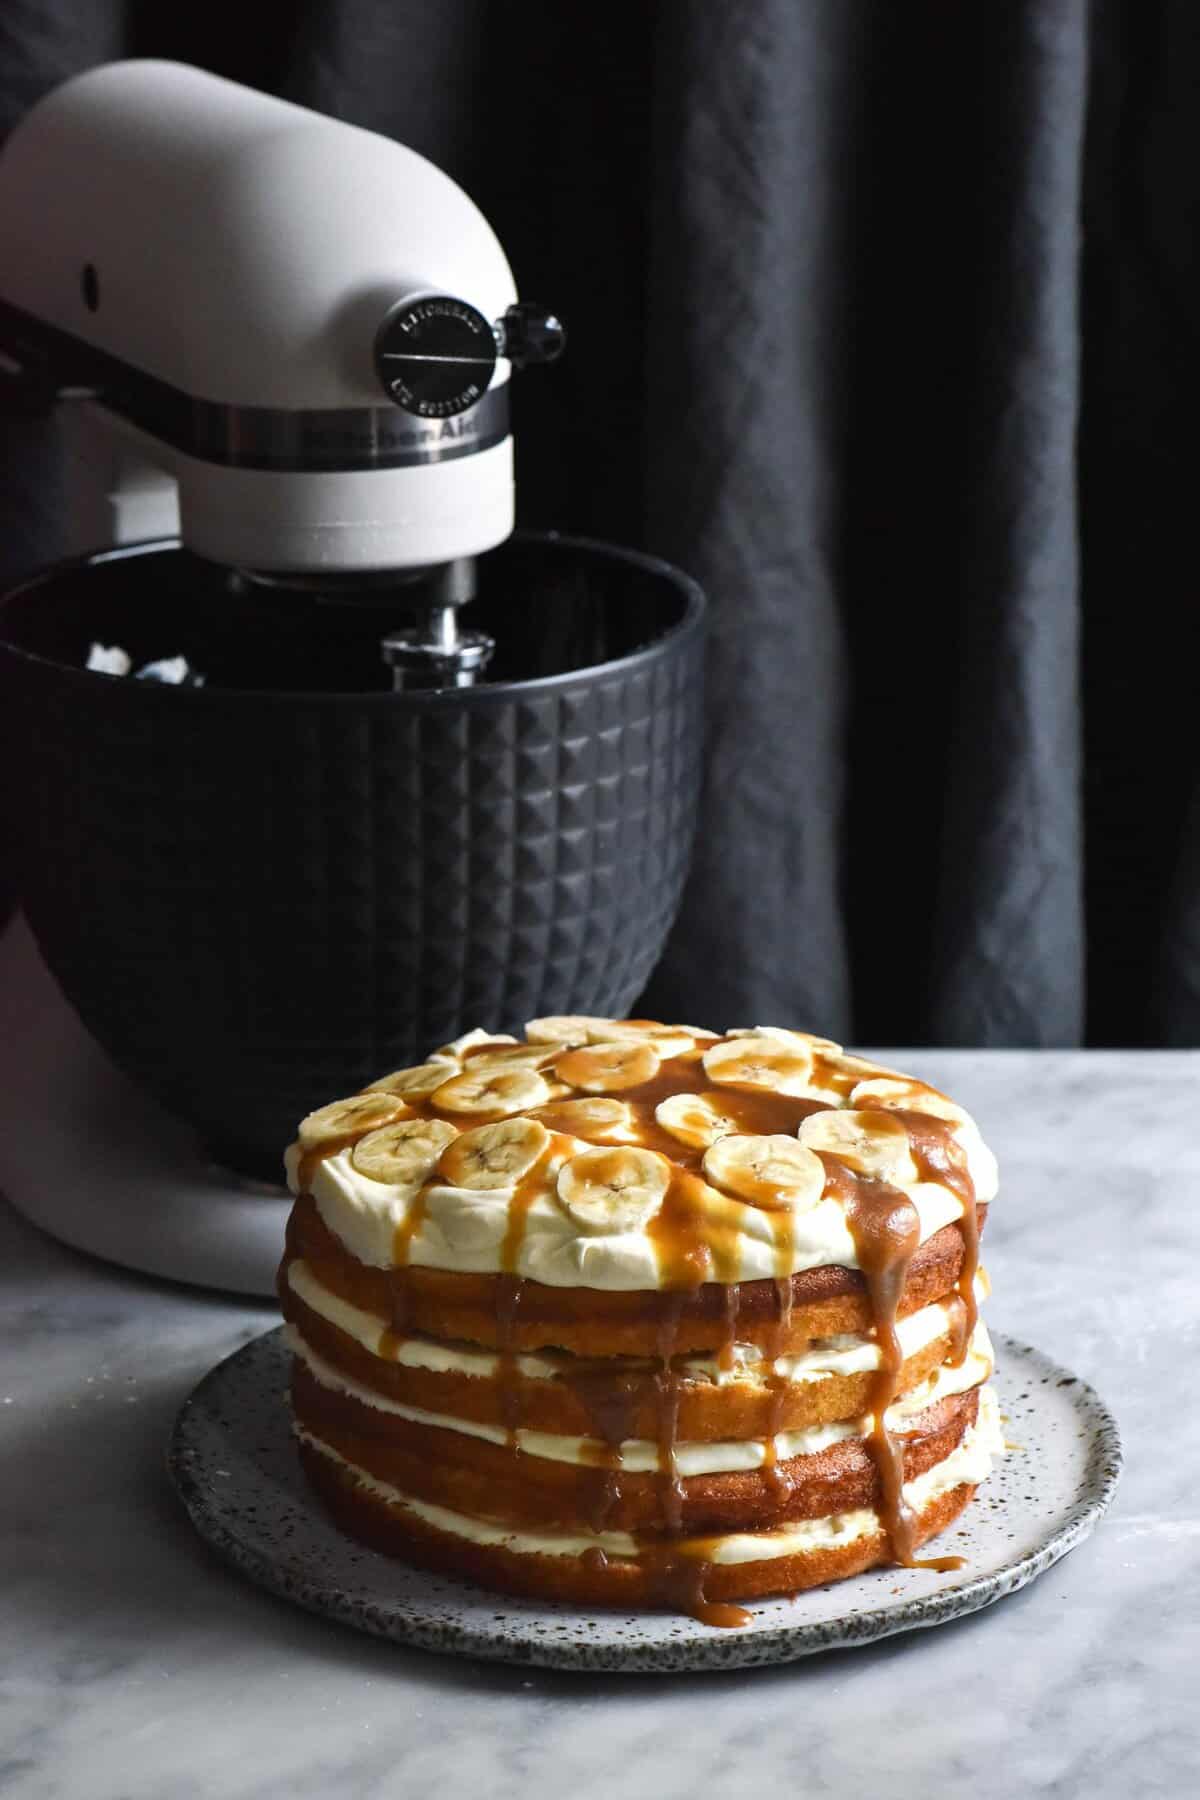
<point>437,777</point>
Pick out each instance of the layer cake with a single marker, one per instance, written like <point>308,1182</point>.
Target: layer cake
<point>629,1314</point>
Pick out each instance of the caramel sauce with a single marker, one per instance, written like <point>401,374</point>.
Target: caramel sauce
<point>940,1157</point>
<point>677,1581</point>
<point>509,1288</point>
<point>311,1160</point>
<point>886,1229</point>
<point>784,1227</point>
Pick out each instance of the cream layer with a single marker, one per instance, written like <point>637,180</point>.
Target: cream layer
<point>846,1354</point>
<point>970,1463</point>
<point>638,1456</point>
<point>464,1229</point>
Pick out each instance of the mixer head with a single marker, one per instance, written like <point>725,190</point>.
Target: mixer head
<point>293,339</point>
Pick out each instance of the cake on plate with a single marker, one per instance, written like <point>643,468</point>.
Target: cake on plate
<point>636,1315</point>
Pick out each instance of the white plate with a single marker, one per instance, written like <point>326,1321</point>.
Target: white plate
<point>235,1467</point>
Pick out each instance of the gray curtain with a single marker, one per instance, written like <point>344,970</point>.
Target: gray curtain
<point>884,323</point>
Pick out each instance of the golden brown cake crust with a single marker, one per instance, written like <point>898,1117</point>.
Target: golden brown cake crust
<point>486,1480</point>
<point>589,1398</point>
<point>592,1582</point>
<point>596,1322</point>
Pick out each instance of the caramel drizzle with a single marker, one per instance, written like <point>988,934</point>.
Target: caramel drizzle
<point>940,1157</point>
<point>510,1286</point>
<point>886,1229</point>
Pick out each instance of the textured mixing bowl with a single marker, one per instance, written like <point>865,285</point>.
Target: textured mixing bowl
<point>265,891</point>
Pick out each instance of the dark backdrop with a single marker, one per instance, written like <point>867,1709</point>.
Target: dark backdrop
<point>885,322</point>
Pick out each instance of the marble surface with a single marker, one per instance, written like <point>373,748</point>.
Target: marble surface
<point>133,1664</point>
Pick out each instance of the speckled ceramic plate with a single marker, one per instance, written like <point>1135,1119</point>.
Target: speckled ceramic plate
<point>233,1463</point>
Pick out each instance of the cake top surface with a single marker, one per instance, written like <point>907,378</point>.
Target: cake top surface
<point>629,1154</point>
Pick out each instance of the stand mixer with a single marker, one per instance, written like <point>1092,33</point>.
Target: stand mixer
<point>437,776</point>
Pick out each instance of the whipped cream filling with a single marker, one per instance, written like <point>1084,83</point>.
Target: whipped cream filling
<point>463,1230</point>
<point>970,1463</point>
<point>845,1354</point>
<point>641,1455</point>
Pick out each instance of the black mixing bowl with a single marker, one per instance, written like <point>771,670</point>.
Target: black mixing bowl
<point>261,893</point>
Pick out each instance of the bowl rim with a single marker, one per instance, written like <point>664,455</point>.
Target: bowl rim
<point>690,625</point>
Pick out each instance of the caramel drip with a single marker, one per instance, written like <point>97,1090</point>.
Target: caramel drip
<point>677,1581</point>
<point>402,1243</point>
<point>611,1399</point>
<point>940,1157</point>
<point>784,1226</point>
<point>827,1073</point>
<point>311,1160</point>
<point>886,1229</point>
<point>730,1303</point>
<point>509,1288</point>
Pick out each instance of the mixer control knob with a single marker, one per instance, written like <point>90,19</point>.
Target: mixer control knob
<point>530,334</point>
<point>435,355</point>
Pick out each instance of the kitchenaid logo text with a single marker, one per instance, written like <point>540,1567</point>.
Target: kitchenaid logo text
<point>448,430</point>
<point>425,310</point>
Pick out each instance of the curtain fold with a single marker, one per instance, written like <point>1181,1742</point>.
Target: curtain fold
<point>883,323</point>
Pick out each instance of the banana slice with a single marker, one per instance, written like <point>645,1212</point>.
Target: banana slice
<point>911,1096</point>
<point>341,1119</point>
<point>416,1082</point>
<point>668,1040</point>
<point>470,1040</point>
<point>868,1142</point>
<point>564,1029</point>
<point>773,1171</point>
<point>491,1091</point>
<point>593,1117</point>
<point>516,1056</point>
<point>404,1154</point>
<point>758,1060</point>
<point>820,1046</point>
<point>695,1119</point>
<point>615,1190</point>
<point>607,1068</point>
<point>844,1064</point>
<point>494,1156</point>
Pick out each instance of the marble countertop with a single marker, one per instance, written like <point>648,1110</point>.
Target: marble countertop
<point>134,1664</point>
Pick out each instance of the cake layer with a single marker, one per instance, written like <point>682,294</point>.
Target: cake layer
<point>552,1391</point>
<point>624,1569</point>
<point>497,1312</point>
<point>539,1478</point>
<point>646,1454</point>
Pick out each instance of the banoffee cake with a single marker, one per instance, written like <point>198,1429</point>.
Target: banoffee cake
<point>635,1315</point>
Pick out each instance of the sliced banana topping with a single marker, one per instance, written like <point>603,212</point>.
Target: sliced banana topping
<point>492,1091</point>
<point>514,1056</point>
<point>564,1029</point>
<point>343,1118</point>
<point>774,1171</point>
<point>868,1142</point>
<point>494,1156</point>
<point>415,1082</point>
<point>595,1116</point>
<point>757,1060</point>
<point>471,1040</point>
<point>607,1068</point>
<point>668,1040</point>
<point>909,1096</point>
<point>610,1191</point>
<point>403,1154</point>
<point>844,1064</point>
<point>695,1119</point>
<point>820,1046</point>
